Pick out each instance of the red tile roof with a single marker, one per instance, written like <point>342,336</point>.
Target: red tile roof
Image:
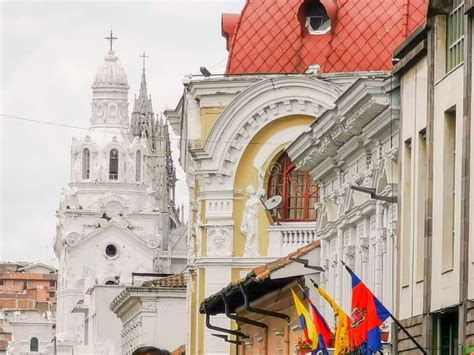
<point>258,274</point>
<point>270,38</point>
<point>263,271</point>
<point>178,281</point>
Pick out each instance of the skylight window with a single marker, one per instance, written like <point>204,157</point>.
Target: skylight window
<point>317,19</point>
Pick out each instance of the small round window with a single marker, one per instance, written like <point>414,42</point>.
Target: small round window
<point>111,251</point>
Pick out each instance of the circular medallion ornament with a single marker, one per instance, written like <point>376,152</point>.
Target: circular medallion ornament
<point>153,242</point>
<point>72,239</point>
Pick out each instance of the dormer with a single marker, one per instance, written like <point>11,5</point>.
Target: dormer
<point>318,17</point>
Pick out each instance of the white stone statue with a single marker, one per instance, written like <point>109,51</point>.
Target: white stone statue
<point>249,224</point>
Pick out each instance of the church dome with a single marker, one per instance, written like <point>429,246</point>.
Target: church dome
<point>110,73</point>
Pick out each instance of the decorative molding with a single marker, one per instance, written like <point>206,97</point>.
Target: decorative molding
<point>219,241</point>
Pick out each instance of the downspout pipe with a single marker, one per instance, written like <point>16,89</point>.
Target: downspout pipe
<point>226,339</point>
<point>249,308</point>
<point>239,318</point>
<point>224,330</point>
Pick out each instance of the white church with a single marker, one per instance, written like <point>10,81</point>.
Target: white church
<point>117,216</point>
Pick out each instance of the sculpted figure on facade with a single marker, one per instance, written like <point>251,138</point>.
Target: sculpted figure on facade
<point>250,223</point>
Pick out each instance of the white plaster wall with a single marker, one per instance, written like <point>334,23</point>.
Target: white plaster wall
<point>105,327</point>
<point>100,267</point>
<point>217,277</point>
<point>23,332</point>
<point>445,286</point>
<point>413,119</point>
<point>68,327</point>
<point>170,334</point>
<point>471,201</point>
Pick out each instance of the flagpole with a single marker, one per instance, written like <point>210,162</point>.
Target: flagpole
<point>397,322</point>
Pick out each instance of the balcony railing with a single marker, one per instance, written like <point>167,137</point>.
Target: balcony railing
<point>286,237</point>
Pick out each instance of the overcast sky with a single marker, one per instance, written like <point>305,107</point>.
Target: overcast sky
<point>49,54</point>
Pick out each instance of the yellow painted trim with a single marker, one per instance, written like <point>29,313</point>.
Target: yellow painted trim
<point>201,319</point>
<point>246,175</point>
<point>235,273</point>
<point>209,116</point>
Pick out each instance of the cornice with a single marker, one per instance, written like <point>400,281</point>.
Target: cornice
<point>362,102</point>
<point>254,108</point>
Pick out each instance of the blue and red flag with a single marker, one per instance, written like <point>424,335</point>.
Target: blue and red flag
<point>322,327</point>
<point>368,314</point>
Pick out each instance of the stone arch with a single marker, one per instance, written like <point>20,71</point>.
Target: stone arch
<point>264,102</point>
<point>77,159</point>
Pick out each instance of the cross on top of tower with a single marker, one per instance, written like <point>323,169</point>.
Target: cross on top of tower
<point>111,38</point>
<point>144,56</point>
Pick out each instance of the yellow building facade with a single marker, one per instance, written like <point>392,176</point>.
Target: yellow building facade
<point>234,131</point>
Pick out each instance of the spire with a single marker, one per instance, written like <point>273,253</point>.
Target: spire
<point>142,114</point>
<point>143,91</point>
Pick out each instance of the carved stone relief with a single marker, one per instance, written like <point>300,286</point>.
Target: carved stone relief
<point>218,241</point>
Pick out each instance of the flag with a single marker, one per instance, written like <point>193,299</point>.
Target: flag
<point>342,343</point>
<point>368,313</point>
<point>322,328</point>
<point>307,323</point>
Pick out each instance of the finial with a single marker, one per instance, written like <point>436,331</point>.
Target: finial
<point>111,38</point>
<point>144,56</point>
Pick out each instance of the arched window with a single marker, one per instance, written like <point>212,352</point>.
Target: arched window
<point>315,17</point>
<point>86,163</point>
<point>113,164</point>
<point>138,165</point>
<point>299,192</point>
<point>34,344</point>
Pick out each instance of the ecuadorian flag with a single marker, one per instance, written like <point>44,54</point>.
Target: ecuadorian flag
<point>307,323</point>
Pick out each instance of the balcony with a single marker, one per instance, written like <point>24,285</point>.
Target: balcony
<point>286,237</point>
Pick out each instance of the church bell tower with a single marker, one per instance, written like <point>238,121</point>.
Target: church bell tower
<point>117,213</point>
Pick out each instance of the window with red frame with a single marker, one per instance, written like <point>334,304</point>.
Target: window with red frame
<point>298,191</point>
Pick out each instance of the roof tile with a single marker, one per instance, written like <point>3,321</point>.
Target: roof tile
<point>172,281</point>
<point>269,37</point>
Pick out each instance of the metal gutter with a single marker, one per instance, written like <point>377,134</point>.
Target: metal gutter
<point>249,308</point>
<point>224,330</point>
<point>239,318</point>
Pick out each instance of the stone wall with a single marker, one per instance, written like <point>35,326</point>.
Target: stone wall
<point>414,325</point>
<point>470,324</point>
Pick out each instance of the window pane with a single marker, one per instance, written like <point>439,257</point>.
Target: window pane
<point>455,35</point>
<point>86,164</point>
<point>34,344</point>
<point>138,165</point>
<point>113,165</point>
<point>298,191</point>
